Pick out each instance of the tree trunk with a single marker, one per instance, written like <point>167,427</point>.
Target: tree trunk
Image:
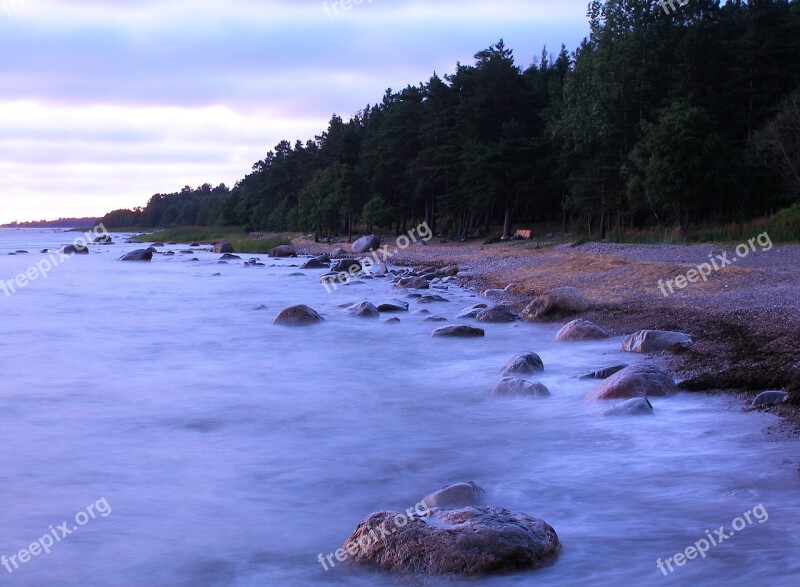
<point>507,223</point>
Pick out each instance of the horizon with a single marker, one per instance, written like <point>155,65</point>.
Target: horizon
<point>103,108</point>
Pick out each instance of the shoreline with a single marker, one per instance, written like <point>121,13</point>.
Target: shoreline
<point>744,320</point>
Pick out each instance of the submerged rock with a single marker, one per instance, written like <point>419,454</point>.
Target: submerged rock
<point>464,542</point>
<point>581,330</point>
<point>456,496</point>
<point>636,406</point>
<point>603,372</point>
<point>229,257</point>
<point>435,319</point>
<point>314,264</point>
<point>460,331</point>
<point>496,315</point>
<point>282,251</point>
<point>654,341</point>
<point>351,266</point>
<point>300,315</point>
<point>74,250</point>
<point>363,310</point>
<point>138,255</point>
<point>523,363</point>
<point>561,301</point>
<point>640,380</point>
<point>394,306</point>
<point>413,283</point>
<point>513,387</point>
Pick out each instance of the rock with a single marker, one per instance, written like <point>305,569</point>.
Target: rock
<point>394,306</point>
<point>323,259</point>
<point>460,331</point>
<point>103,239</point>
<point>435,319</point>
<point>642,380</point>
<point>470,313</point>
<point>766,398</point>
<point>654,341</point>
<point>338,253</point>
<point>300,315</point>
<point>283,251</point>
<point>351,266</point>
<point>413,283</point>
<point>45,251</point>
<point>424,312</point>
<point>431,298</point>
<point>603,372</point>
<point>496,315</point>
<point>295,274</point>
<point>523,363</point>
<point>194,244</point>
<point>581,330</point>
<point>449,271</point>
<point>463,542</point>
<point>159,245</point>
<point>21,252</point>
<point>511,386</point>
<point>496,293</point>
<point>561,301</point>
<point>314,264</point>
<point>229,257</point>
<point>260,307</point>
<point>186,252</point>
<point>636,406</point>
<point>138,255</point>
<point>366,244</point>
<point>458,495</point>
<point>74,250</point>
<point>223,248</point>
<point>394,320</point>
<point>363,310</point>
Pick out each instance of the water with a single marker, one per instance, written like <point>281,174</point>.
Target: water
<point>233,452</point>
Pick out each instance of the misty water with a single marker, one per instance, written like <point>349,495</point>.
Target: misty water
<point>233,452</point>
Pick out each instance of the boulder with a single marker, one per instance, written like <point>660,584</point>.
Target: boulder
<point>562,301</point>
<point>351,266</point>
<point>581,330</point>
<point>435,319</point>
<point>458,495</point>
<point>283,251</point>
<point>458,331</point>
<point>314,264</point>
<point>470,313</point>
<point>103,239</point>
<point>366,244</point>
<point>603,372</point>
<point>394,320</point>
<point>393,306</point>
<point>654,341</point>
<point>220,248</point>
<point>338,253</point>
<point>300,315</point>
<point>522,364</point>
<point>471,541</point>
<point>496,315</point>
<point>413,283</point>
<point>642,380</point>
<point>138,255</point>
<point>74,250</point>
<point>767,398</point>
<point>431,298</point>
<point>229,257</point>
<point>636,406</point>
<point>513,387</point>
<point>363,310</point>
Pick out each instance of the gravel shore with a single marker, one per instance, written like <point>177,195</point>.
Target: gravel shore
<point>745,319</point>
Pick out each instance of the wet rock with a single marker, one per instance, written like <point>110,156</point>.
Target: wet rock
<point>393,306</point>
<point>300,315</point>
<point>562,301</point>
<point>314,264</point>
<point>283,251</point>
<point>186,252</point>
<point>74,250</point>
<point>642,380</point>
<point>449,271</point>
<point>338,253</point>
<point>138,255</point>
<point>394,320</point>
<point>431,298</point>
<point>766,398</point>
<point>654,341</point>
<point>229,257</point>
<point>223,248</point>
<point>366,244</point>
<point>157,245</point>
<point>351,266</point>
<point>513,387</point>
<point>297,274</point>
<point>581,330</point>
<point>636,406</point>
<point>363,310</point>
<point>435,319</point>
<point>194,244</point>
<point>523,364</point>
<point>498,293</point>
<point>424,312</point>
<point>460,331</point>
<point>21,252</point>
<point>413,283</point>
<point>103,239</point>
<point>457,495</point>
<point>260,307</point>
<point>464,542</point>
<point>603,372</point>
<point>470,313</point>
<point>496,315</point>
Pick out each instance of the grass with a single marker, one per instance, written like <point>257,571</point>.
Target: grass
<point>242,242</point>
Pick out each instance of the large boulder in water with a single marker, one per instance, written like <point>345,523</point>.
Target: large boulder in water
<point>363,310</point>
<point>603,372</point>
<point>513,387</point>
<point>464,542</point>
<point>413,283</point>
<point>352,266</point>
<point>314,264</point>
<point>458,495</point>
<point>220,248</point>
<point>496,315</point>
<point>138,255</point>
<point>581,330</point>
<point>300,315</point>
<point>458,331</point>
<point>642,380</point>
<point>636,406</point>
<point>523,364</point>
<point>654,341</point>
<point>394,306</point>
<point>283,251</point>
<point>74,250</point>
<point>366,244</point>
<point>562,301</point>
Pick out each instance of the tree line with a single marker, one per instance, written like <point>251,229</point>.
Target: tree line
<point>656,119</point>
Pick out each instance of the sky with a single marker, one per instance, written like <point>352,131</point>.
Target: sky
<point>104,103</point>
